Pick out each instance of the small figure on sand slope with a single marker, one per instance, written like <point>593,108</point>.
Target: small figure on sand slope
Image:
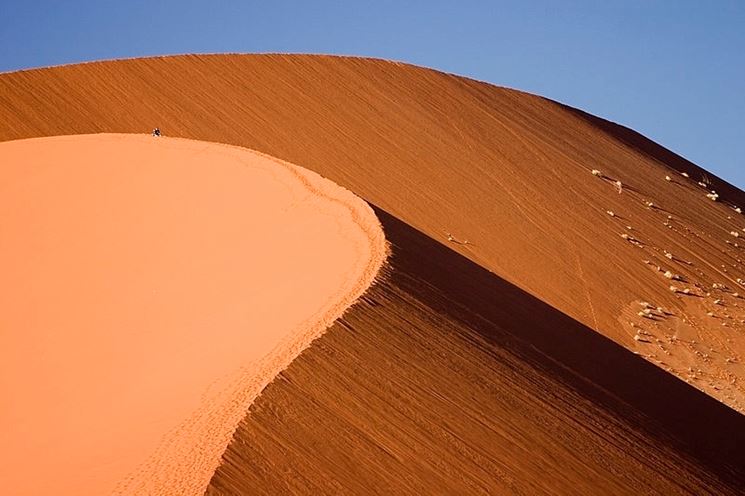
<point>452,239</point>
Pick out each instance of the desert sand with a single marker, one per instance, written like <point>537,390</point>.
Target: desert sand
<point>525,339</point>
<point>151,288</point>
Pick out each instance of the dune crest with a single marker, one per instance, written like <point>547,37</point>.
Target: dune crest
<point>152,288</point>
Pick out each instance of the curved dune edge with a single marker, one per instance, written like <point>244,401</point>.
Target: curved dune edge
<point>192,470</point>
<point>179,465</point>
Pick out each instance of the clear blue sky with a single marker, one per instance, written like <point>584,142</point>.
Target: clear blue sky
<point>673,70</point>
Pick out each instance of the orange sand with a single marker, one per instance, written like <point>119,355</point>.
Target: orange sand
<point>479,368</point>
<point>151,288</point>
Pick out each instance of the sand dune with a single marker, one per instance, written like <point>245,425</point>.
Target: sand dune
<point>507,171</point>
<point>504,180</point>
<point>151,288</point>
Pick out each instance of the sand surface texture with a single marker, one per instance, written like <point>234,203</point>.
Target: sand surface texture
<point>151,287</point>
<point>522,360</point>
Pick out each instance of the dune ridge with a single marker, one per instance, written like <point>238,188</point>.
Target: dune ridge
<point>147,381</point>
<point>505,180</point>
<point>461,383</point>
<point>157,475</point>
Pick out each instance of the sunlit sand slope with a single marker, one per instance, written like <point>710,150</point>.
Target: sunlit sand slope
<point>151,287</point>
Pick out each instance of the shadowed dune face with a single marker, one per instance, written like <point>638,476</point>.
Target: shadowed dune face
<point>506,171</point>
<point>151,288</point>
<point>464,384</point>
